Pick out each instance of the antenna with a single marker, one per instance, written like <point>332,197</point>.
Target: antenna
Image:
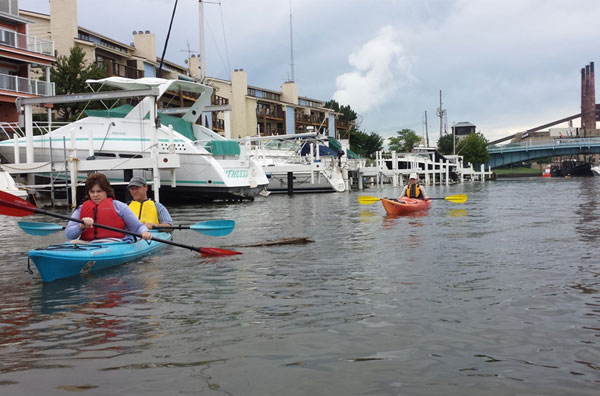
<point>291,46</point>
<point>426,130</point>
<point>202,51</point>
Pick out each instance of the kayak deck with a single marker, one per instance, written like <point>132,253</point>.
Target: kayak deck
<point>70,259</point>
<point>404,205</point>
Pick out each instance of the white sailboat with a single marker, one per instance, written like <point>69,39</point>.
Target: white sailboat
<point>211,167</point>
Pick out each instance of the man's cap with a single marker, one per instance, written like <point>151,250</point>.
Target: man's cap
<point>137,181</point>
<point>413,176</point>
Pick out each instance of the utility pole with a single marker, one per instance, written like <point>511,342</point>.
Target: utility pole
<point>453,138</point>
<point>442,114</point>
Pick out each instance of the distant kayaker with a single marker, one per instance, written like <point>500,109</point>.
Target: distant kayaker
<point>102,208</point>
<point>149,212</point>
<point>413,189</point>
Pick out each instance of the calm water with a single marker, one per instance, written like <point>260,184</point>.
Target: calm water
<point>499,296</point>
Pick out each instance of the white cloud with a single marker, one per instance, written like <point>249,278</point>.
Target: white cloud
<point>381,67</point>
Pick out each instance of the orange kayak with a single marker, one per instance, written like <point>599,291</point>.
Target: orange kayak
<point>404,205</point>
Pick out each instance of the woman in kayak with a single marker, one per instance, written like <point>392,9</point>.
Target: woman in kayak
<point>413,189</point>
<point>102,208</point>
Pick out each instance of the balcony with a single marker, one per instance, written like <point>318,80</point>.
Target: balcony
<point>26,85</point>
<point>10,38</point>
<point>267,112</point>
<point>116,69</point>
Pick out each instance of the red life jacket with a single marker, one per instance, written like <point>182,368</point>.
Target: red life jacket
<point>104,214</point>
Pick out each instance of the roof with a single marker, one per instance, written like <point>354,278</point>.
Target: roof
<point>464,124</point>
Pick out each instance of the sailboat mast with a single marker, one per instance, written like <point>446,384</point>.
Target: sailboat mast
<point>202,52</point>
<point>293,77</point>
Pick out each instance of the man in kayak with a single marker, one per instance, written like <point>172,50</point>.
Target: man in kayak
<point>100,207</point>
<point>413,189</point>
<point>149,212</point>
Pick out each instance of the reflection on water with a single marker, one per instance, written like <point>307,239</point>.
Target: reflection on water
<point>499,296</point>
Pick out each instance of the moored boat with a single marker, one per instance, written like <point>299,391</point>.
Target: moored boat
<point>404,205</point>
<point>70,259</point>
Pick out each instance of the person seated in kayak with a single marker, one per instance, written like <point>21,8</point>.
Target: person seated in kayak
<point>102,208</point>
<point>413,189</point>
<point>150,213</point>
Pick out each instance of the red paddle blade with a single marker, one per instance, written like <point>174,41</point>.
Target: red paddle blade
<point>209,252</point>
<point>14,206</point>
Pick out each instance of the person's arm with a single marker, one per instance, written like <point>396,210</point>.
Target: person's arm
<point>73,229</point>
<point>403,193</point>
<point>164,217</point>
<point>132,223</point>
<point>425,196</point>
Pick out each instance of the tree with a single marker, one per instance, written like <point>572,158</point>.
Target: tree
<point>347,113</point>
<point>445,145</point>
<point>69,75</point>
<point>405,141</point>
<point>365,144</point>
<point>473,148</point>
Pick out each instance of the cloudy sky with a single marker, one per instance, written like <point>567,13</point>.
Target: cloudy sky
<point>503,65</point>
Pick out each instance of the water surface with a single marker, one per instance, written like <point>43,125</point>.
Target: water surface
<point>499,296</point>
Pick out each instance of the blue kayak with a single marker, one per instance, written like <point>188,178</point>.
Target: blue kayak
<point>70,259</point>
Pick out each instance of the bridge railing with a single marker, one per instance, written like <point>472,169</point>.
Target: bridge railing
<point>544,144</point>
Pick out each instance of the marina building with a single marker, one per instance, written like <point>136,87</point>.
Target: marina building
<point>19,52</point>
<point>240,109</point>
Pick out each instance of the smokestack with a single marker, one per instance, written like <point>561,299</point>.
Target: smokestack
<point>592,98</point>
<point>588,100</point>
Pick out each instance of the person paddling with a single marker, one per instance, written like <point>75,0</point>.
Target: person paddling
<point>413,189</point>
<point>150,213</point>
<point>101,208</point>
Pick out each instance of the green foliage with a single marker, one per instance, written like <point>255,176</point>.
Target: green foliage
<point>474,149</point>
<point>365,144</point>
<point>69,75</point>
<point>444,144</point>
<point>405,141</point>
<point>347,113</point>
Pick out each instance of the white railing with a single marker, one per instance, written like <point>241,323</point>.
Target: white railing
<point>10,38</point>
<point>26,85</point>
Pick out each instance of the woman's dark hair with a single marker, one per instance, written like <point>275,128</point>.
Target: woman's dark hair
<point>102,181</point>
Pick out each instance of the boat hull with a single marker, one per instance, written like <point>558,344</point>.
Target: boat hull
<point>70,259</point>
<point>405,206</point>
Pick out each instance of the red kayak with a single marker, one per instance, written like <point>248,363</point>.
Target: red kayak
<point>404,205</point>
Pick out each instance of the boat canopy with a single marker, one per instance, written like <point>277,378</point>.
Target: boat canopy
<point>129,84</point>
<point>180,125</point>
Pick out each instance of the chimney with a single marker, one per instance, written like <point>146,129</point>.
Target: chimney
<point>588,100</point>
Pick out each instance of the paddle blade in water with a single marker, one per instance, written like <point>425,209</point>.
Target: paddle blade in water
<point>39,229</point>
<point>214,227</point>
<point>366,200</point>
<point>210,252</point>
<point>458,198</point>
<point>14,206</point>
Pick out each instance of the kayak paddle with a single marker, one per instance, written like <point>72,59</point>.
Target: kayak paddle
<point>14,206</point>
<point>458,198</point>
<point>210,227</point>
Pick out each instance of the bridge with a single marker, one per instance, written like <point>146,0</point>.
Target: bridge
<point>530,150</point>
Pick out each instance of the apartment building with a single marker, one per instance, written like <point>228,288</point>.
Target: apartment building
<point>19,52</point>
<point>259,111</point>
<point>253,110</point>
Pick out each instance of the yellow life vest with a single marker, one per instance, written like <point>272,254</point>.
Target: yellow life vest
<point>145,211</point>
<point>417,191</point>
